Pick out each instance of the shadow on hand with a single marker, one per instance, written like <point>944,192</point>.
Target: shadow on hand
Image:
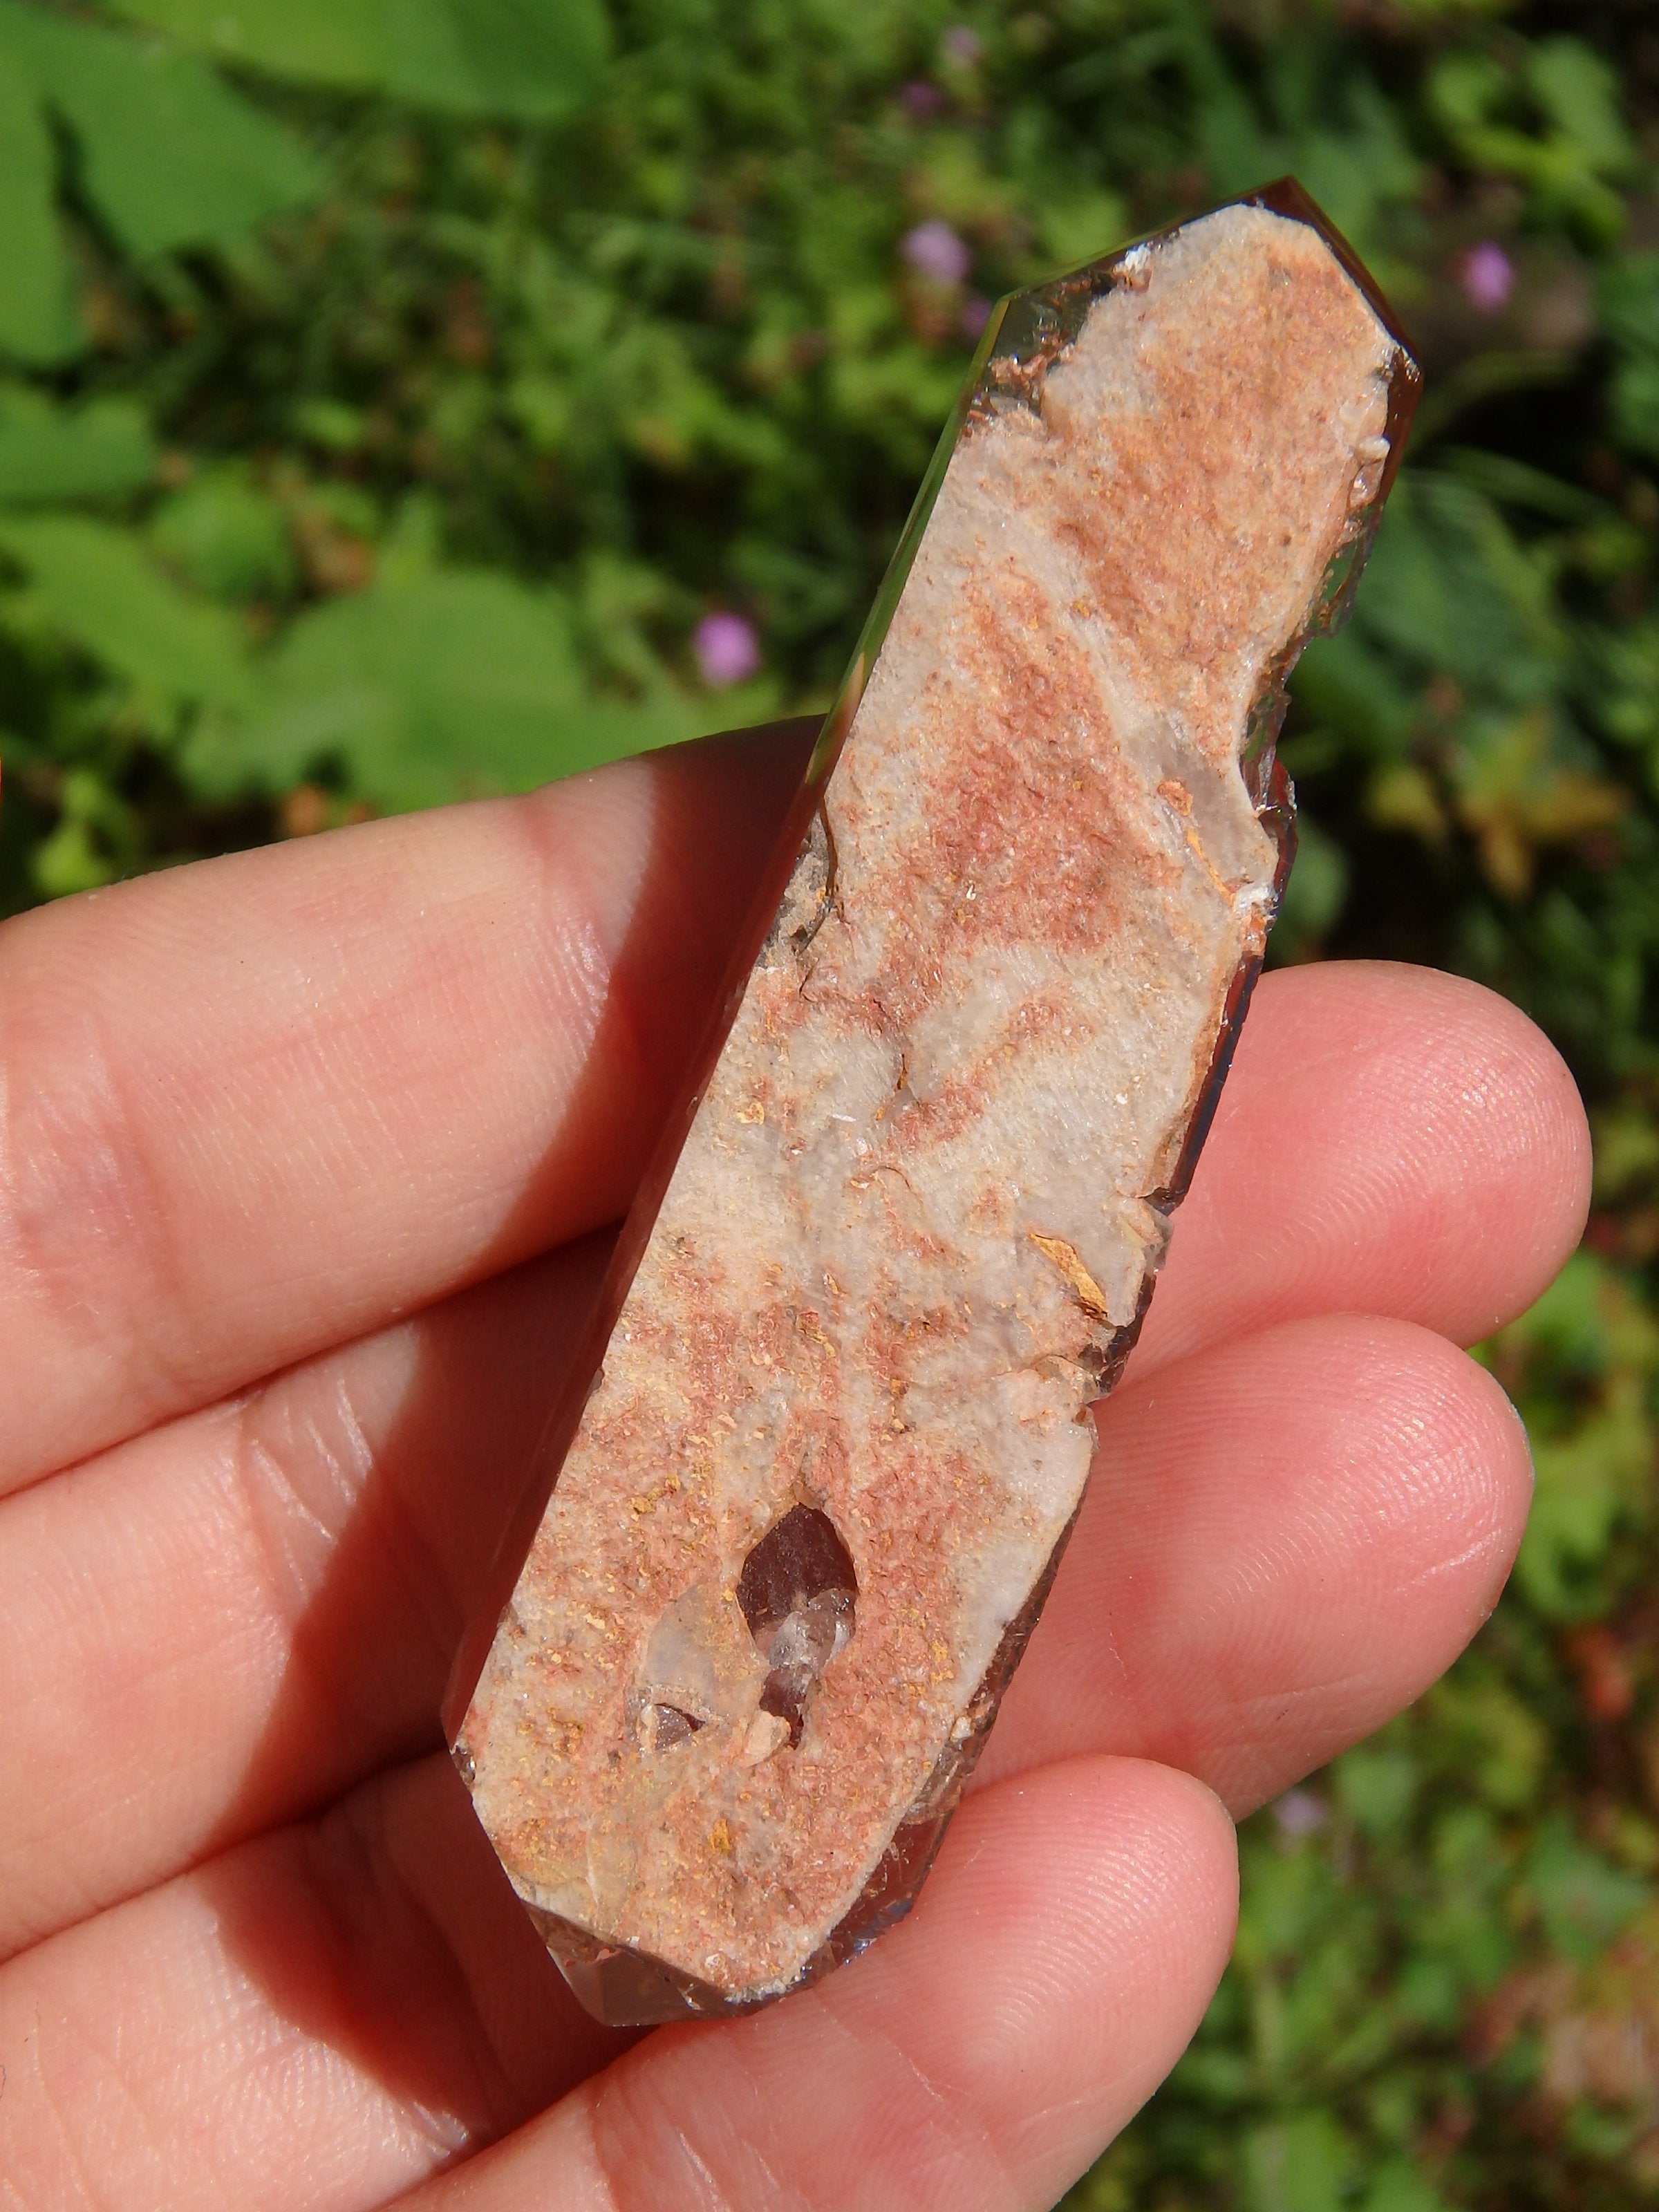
<point>384,1929</point>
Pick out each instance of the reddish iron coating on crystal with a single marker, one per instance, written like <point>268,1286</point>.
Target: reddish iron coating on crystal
<point>806,1517</point>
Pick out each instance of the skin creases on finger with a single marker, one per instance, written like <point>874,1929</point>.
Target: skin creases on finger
<point>221,1626</point>
<point>338,2012</point>
<point>312,2022</point>
<point>1287,1536</point>
<point>1389,1140</point>
<point>976,2060</point>
<point>261,1105</point>
<point>1285,1540</point>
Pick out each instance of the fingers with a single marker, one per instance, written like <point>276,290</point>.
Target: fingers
<point>326,2016</point>
<point>222,1625</point>
<point>319,2019</point>
<point>1390,1140</point>
<point>1285,1540</point>
<point>258,1107</point>
<point>254,1107</point>
<point>975,2061</point>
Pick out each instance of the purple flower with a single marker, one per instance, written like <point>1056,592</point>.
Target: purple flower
<point>976,313</point>
<point>1487,275</point>
<point>920,99</point>
<point>934,249</point>
<point>964,46</point>
<point>1299,1813</point>
<point>727,650</point>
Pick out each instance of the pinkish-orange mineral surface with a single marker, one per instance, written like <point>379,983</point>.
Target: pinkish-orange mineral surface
<point>802,1524</point>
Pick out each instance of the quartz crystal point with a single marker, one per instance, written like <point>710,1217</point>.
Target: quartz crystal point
<point>903,1233</point>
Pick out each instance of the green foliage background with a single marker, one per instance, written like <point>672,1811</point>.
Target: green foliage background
<point>388,387</point>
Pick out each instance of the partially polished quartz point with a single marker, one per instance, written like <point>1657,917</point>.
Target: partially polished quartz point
<point>743,1652</point>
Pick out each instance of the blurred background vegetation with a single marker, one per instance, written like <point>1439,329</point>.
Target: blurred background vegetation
<point>406,399</point>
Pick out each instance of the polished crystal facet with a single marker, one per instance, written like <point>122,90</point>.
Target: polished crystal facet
<point>904,1232</point>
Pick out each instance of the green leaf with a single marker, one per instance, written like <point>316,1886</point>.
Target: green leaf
<point>1584,1898</point>
<point>1317,892</point>
<point>340,42</point>
<point>95,840</point>
<point>1579,93</point>
<point>1451,590</point>
<point>103,450</point>
<point>35,322</point>
<point>1585,1484</point>
<point>1377,1788</point>
<point>436,686</point>
<point>1084,227</point>
<point>1300,2164</point>
<point>1398,2186</point>
<point>1567,1323</point>
<point>1499,1745</point>
<point>169,155</point>
<point>228,538</point>
<point>1584,147</point>
<point>103,593</point>
<point>1630,302</point>
<point>535,59</point>
<point>1630,314</point>
<point>68,861</point>
<point>1635,405</point>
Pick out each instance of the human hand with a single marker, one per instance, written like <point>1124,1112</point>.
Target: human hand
<point>299,1152</point>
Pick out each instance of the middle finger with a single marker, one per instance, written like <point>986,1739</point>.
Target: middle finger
<point>1288,1536</point>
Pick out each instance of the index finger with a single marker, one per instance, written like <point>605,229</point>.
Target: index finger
<point>262,1106</point>
<point>259,1106</point>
